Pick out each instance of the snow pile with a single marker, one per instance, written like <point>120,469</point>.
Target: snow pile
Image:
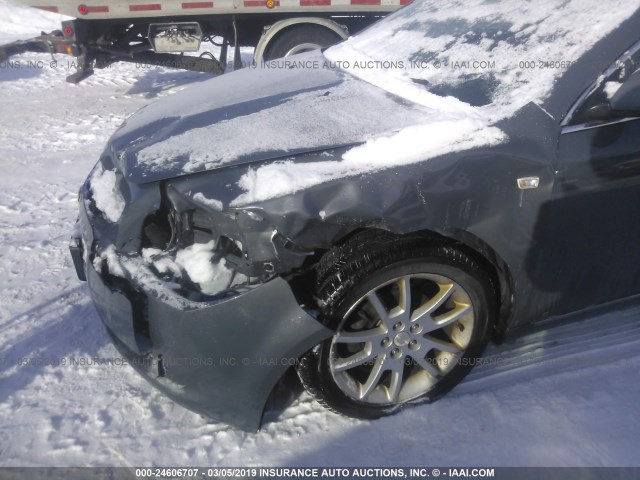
<point>104,186</point>
<point>611,88</point>
<point>209,202</point>
<point>197,262</point>
<point>22,22</point>
<point>419,142</point>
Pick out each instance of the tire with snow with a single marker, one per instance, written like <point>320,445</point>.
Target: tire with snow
<point>411,318</point>
<point>300,38</point>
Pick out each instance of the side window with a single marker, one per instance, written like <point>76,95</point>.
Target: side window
<point>607,84</point>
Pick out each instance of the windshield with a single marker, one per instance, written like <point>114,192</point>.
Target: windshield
<point>482,52</point>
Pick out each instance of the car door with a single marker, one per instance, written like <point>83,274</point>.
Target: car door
<point>590,230</point>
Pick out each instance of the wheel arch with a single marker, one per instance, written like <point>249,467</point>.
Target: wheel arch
<point>498,270</point>
<point>481,251</point>
<point>280,27</point>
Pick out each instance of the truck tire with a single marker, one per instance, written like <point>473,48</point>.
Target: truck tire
<point>299,39</point>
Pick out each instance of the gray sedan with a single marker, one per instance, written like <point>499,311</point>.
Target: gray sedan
<point>374,214</point>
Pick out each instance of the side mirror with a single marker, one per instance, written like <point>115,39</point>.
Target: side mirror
<point>627,98</point>
<point>624,103</point>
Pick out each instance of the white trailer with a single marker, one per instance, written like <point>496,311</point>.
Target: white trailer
<point>159,32</point>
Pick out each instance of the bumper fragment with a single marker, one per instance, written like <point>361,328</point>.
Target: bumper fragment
<point>221,358</point>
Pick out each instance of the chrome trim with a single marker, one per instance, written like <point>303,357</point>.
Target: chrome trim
<point>589,126</point>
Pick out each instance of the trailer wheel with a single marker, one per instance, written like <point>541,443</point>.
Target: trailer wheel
<point>299,39</point>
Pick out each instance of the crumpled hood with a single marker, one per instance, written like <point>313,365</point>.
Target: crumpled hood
<point>255,115</point>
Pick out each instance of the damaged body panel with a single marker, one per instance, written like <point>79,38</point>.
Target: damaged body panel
<point>204,244</point>
<point>216,357</point>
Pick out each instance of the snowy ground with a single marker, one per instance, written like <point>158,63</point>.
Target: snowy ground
<point>565,394</point>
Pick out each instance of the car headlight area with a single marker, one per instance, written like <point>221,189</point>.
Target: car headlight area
<point>184,300</point>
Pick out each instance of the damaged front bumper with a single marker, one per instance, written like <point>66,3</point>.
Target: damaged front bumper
<point>219,358</point>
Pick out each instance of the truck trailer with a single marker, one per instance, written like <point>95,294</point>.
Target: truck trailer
<point>171,33</point>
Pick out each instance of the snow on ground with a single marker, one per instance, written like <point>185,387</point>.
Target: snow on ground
<point>21,22</point>
<point>562,395</point>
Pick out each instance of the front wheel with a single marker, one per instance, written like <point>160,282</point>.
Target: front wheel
<point>410,321</point>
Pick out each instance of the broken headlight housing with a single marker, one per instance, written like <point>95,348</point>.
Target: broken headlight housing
<point>194,251</point>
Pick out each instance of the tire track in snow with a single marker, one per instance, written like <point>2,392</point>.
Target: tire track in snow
<point>589,338</point>
<point>553,347</point>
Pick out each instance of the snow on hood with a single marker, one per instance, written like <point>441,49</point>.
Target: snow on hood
<point>394,113</point>
<point>437,53</point>
<point>255,115</point>
<point>442,136</point>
